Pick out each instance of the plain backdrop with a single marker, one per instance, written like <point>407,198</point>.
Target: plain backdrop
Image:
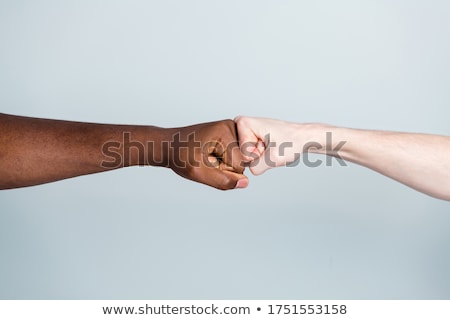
<point>295,233</point>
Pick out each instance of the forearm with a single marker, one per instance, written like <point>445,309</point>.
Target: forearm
<point>420,161</point>
<point>35,151</point>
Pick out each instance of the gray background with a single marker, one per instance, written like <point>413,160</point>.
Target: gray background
<point>145,233</point>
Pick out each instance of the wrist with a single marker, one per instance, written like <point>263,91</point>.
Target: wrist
<point>158,146</point>
<point>312,137</point>
<point>329,140</point>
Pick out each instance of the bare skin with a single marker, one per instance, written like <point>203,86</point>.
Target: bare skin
<point>35,151</point>
<point>420,161</point>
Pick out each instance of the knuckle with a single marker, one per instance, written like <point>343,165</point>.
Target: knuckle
<point>225,183</point>
<point>230,125</point>
<point>229,122</point>
<point>240,121</point>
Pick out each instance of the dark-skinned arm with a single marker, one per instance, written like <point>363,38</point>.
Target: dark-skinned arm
<point>35,151</point>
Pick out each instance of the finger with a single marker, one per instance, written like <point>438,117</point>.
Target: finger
<point>221,179</point>
<point>260,165</point>
<point>233,158</point>
<point>250,143</point>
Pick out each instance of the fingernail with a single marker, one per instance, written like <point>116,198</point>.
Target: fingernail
<point>242,183</point>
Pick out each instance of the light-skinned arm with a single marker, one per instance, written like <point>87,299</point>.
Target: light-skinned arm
<point>35,151</point>
<point>420,161</point>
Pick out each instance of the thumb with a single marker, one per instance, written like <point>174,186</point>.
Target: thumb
<point>223,179</point>
<point>261,164</point>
